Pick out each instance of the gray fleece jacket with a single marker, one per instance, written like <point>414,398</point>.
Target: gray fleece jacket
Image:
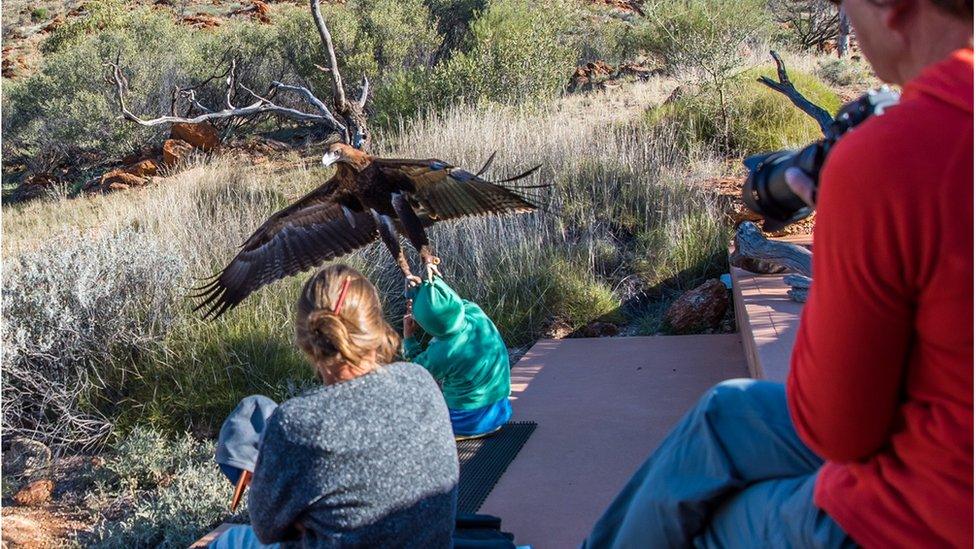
<point>369,462</point>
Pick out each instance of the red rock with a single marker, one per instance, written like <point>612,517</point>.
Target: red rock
<point>119,179</point>
<point>54,24</point>
<point>175,151</point>
<point>143,168</point>
<point>698,309</point>
<point>34,493</point>
<point>201,136</point>
<point>201,21</point>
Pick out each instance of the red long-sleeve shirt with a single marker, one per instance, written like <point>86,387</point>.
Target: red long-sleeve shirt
<point>881,380</point>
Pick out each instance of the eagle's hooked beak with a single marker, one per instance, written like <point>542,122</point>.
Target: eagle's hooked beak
<point>330,158</point>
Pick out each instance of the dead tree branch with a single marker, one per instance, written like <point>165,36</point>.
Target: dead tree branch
<point>786,87</point>
<point>364,94</point>
<point>260,106</point>
<point>752,249</point>
<point>750,243</point>
<point>350,113</point>
<point>338,93</point>
<point>345,117</point>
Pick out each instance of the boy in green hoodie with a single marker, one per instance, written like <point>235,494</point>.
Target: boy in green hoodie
<point>466,356</point>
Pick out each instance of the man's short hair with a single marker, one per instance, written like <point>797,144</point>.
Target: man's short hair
<point>962,9</point>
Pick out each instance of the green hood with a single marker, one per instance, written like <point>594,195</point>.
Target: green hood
<point>438,309</point>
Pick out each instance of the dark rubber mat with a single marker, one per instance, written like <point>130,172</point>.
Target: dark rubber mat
<point>484,460</point>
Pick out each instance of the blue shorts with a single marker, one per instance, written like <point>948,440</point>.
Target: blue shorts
<point>480,421</point>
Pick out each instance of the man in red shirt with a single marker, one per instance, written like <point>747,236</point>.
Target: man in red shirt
<point>871,442</point>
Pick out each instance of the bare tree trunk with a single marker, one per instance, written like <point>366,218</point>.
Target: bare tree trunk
<point>844,36</point>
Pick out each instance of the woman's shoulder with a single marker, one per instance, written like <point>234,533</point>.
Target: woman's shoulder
<point>358,413</point>
<point>332,406</point>
<point>412,375</point>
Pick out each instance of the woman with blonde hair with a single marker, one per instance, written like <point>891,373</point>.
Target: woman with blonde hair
<point>367,460</point>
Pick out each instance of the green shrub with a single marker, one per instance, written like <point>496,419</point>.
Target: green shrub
<point>604,35</point>
<point>516,51</point>
<point>758,118</point>
<point>101,15</point>
<point>704,37</point>
<point>39,13</point>
<point>175,491</point>
<point>68,108</point>
<point>79,315</point>
<point>371,37</point>
<point>846,72</point>
<point>453,21</point>
<point>404,32</point>
<point>300,43</point>
<point>401,97</point>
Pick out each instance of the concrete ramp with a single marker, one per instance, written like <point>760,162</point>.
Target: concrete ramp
<point>602,405</point>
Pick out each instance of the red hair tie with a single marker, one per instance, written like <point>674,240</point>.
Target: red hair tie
<point>342,296</point>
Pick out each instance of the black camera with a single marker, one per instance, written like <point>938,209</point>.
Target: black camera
<point>766,192</point>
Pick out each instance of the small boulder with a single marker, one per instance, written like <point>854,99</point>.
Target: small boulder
<point>143,168</point>
<point>23,457</point>
<point>201,21</point>
<point>175,151</point>
<point>558,329</point>
<point>121,179</point>
<point>600,329</point>
<point>201,136</point>
<point>54,24</point>
<point>699,309</point>
<point>34,493</point>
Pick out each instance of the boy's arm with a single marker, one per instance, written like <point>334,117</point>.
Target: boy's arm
<point>413,350</point>
<point>411,346</point>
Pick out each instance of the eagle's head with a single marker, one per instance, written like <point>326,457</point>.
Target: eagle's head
<point>346,154</point>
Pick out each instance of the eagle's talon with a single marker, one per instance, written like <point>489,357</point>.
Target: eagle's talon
<point>433,270</point>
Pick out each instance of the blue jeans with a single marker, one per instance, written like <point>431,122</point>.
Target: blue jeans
<point>480,420</point>
<point>241,536</point>
<point>733,473</point>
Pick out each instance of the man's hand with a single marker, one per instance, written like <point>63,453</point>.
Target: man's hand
<point>802,186</point>
<point>409,325</point>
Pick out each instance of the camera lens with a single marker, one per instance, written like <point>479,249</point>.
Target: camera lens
<point>766,192</point>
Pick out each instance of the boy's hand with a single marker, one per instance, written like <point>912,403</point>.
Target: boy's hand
<point>409,325</point>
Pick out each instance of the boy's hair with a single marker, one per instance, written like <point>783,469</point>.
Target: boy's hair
<point>350,333</point>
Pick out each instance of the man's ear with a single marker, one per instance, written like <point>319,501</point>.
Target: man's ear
<point>899,13</point>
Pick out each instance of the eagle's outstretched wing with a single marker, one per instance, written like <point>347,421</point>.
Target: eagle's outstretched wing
<point>314,229</point>
<point>438,191</point>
